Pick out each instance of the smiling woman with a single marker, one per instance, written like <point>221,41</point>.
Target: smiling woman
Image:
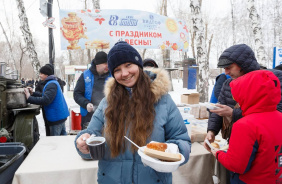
<point>136,105</point>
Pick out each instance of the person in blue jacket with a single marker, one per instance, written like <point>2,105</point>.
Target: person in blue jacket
<point>52,100</point>
<point>219,80</point>
<point>136,105</point>
<point>89,88</point>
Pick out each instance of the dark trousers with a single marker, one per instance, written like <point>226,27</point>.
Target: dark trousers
<point>47,128</point>
<point>85,120</point>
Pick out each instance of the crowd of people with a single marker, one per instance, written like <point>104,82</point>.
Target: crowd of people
<point>121,94</point>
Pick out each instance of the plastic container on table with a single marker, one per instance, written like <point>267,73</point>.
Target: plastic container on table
<point>11,157</point>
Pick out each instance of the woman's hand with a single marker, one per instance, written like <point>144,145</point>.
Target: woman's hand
<point>81,143</point>
<point>223,110</point>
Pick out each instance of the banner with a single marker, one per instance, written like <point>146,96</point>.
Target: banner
<point>277,56</point>
<point>101,29</point>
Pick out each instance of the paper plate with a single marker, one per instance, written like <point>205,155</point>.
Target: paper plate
<point>158,165</point>
<point>211,106</point>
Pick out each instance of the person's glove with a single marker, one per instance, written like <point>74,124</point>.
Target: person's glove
<point>90,107</point>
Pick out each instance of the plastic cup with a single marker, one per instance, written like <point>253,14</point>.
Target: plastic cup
<point>96,147</point>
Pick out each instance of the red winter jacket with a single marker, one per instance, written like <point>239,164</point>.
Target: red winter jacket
<point>255,148</point>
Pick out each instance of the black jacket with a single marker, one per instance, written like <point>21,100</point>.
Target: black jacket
<point>244,57</point>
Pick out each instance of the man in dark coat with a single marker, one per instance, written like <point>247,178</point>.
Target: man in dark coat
<point>237,61</point>
<point>89,89</point>
<point>39,86</point>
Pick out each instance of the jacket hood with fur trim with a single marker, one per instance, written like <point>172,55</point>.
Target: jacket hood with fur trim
<point>160,84</point>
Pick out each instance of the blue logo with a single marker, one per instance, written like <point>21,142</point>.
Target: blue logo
<point>151,23</point>
<point>113,20</point>
<point>280,52</point>
<point>128,21</point>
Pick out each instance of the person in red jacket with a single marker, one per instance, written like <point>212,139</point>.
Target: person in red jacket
<point>255,148</point>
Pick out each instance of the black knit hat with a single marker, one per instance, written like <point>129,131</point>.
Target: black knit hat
<point>47,69</point>
<point>122,53</point>
<point>150,62</point>
<point>100,58</point>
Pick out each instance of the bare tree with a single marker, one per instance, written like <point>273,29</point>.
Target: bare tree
<point>233,22</point>
<point>203,63</point>
<point>166,53</point>
<point>162,7</point>
<point>277,25</point>
<point>193,44</point>
<point>96,4</point>
<point>256,26</point>
<point>209,41</point>
<point>10,48</point>
<point>28,37</point>
<point>23,50</point>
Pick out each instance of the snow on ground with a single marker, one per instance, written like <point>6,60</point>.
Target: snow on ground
<point>175,94</point>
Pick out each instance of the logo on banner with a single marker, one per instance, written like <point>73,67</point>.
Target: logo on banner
<point>128,21</point>
<point>151,23</point>
<point>280,52</point>
<point>280,56</point>
<point>113,20</point>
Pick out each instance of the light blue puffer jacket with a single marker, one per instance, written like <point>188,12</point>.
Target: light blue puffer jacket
<point>169,127</point>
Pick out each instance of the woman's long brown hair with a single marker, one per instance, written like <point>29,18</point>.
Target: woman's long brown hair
<point>129,114</point>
